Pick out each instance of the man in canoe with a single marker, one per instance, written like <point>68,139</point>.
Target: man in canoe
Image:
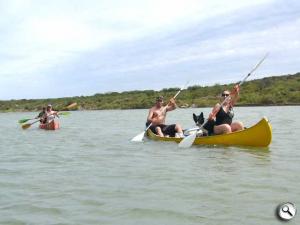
<point>157,116</point>
<point>223,114</point>
<point>50,114</point>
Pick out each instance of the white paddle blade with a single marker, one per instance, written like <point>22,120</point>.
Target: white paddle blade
<point>139,137</point>
<point>188,141</point>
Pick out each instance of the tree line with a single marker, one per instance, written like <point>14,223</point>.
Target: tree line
<point>276,90</point>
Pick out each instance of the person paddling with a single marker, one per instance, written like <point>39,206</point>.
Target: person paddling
<point>41,116</point>
<point>157,116</point>
<point>50,114</point>
<point>224,114</point>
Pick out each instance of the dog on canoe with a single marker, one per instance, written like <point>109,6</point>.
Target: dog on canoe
<point>206,130</point>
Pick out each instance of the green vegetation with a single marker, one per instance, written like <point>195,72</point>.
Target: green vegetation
<point>278,90</point>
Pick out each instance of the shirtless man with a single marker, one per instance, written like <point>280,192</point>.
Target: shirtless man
<point>157,116</point>
<point>50,114</point>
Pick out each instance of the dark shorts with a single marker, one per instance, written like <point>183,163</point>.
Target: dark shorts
<point>166,129</point>
<point>209,126</point>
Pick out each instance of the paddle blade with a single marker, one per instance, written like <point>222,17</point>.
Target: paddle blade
<point>23,120</point>
<point>139,137</point>
<point>188,141</point>
<point>72,105</point>
<point>64,113</point>
<point>25,126</point>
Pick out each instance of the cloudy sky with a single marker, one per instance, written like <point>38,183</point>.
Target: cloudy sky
<point>64,48</point>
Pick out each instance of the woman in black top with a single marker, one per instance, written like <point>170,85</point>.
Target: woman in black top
<point>223,115</point>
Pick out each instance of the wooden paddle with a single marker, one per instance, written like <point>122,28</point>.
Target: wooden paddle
<point>140,137</point>
<point>27,125</point>
<point>70,106</point>
<point>189,140</point>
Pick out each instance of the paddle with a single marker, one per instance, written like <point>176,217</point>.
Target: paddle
<point>64,113</point>
<point>189,140</point>
<point>140,137</point>
<point>70,106</point>
<point>27,125</point>
<point>25,120</point>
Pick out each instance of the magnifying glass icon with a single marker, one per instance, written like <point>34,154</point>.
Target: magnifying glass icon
<point>286,209</point>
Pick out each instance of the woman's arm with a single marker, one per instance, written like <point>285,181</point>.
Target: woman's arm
<point>234,95</point>
<point>214,112</point>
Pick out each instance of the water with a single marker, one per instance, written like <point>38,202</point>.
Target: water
<point>88,172</point>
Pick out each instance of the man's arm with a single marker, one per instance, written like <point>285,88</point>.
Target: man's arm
<point>171,105</point>
<point>150,115</point>
<point>56,113</point>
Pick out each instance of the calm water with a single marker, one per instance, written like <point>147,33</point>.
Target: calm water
<point>88,172</point>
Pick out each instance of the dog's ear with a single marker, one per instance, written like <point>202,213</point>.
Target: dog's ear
<point>201,118</point>
<point>195,118</point>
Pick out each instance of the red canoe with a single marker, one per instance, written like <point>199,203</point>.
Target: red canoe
<point>53,125</point>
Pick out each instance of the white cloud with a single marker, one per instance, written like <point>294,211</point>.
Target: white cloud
<point>235,45</point>
<point>39,36</point>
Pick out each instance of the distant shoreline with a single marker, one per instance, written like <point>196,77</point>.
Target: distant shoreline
<point>237,106</point>
<point>269,91</point>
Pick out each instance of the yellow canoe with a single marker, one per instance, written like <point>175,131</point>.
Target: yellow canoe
<point>259,135</point>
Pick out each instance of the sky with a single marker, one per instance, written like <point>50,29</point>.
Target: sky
<point>61,48</point>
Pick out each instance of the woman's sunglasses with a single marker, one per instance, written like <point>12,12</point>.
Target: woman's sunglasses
<point>225,95</point>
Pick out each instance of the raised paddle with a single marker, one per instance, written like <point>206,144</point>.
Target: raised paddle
<point>189,140</point>
<point>70,106</point>
<point>140,137</point>
<point>27,125</point>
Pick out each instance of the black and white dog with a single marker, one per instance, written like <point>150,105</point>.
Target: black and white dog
<point>208,128</point>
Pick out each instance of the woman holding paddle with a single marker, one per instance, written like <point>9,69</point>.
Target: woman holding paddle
<point>189,140</point>
<point>223,114</point>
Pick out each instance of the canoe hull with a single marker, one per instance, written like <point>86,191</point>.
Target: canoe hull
<point>54,125</point>
<point>259,135</point>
